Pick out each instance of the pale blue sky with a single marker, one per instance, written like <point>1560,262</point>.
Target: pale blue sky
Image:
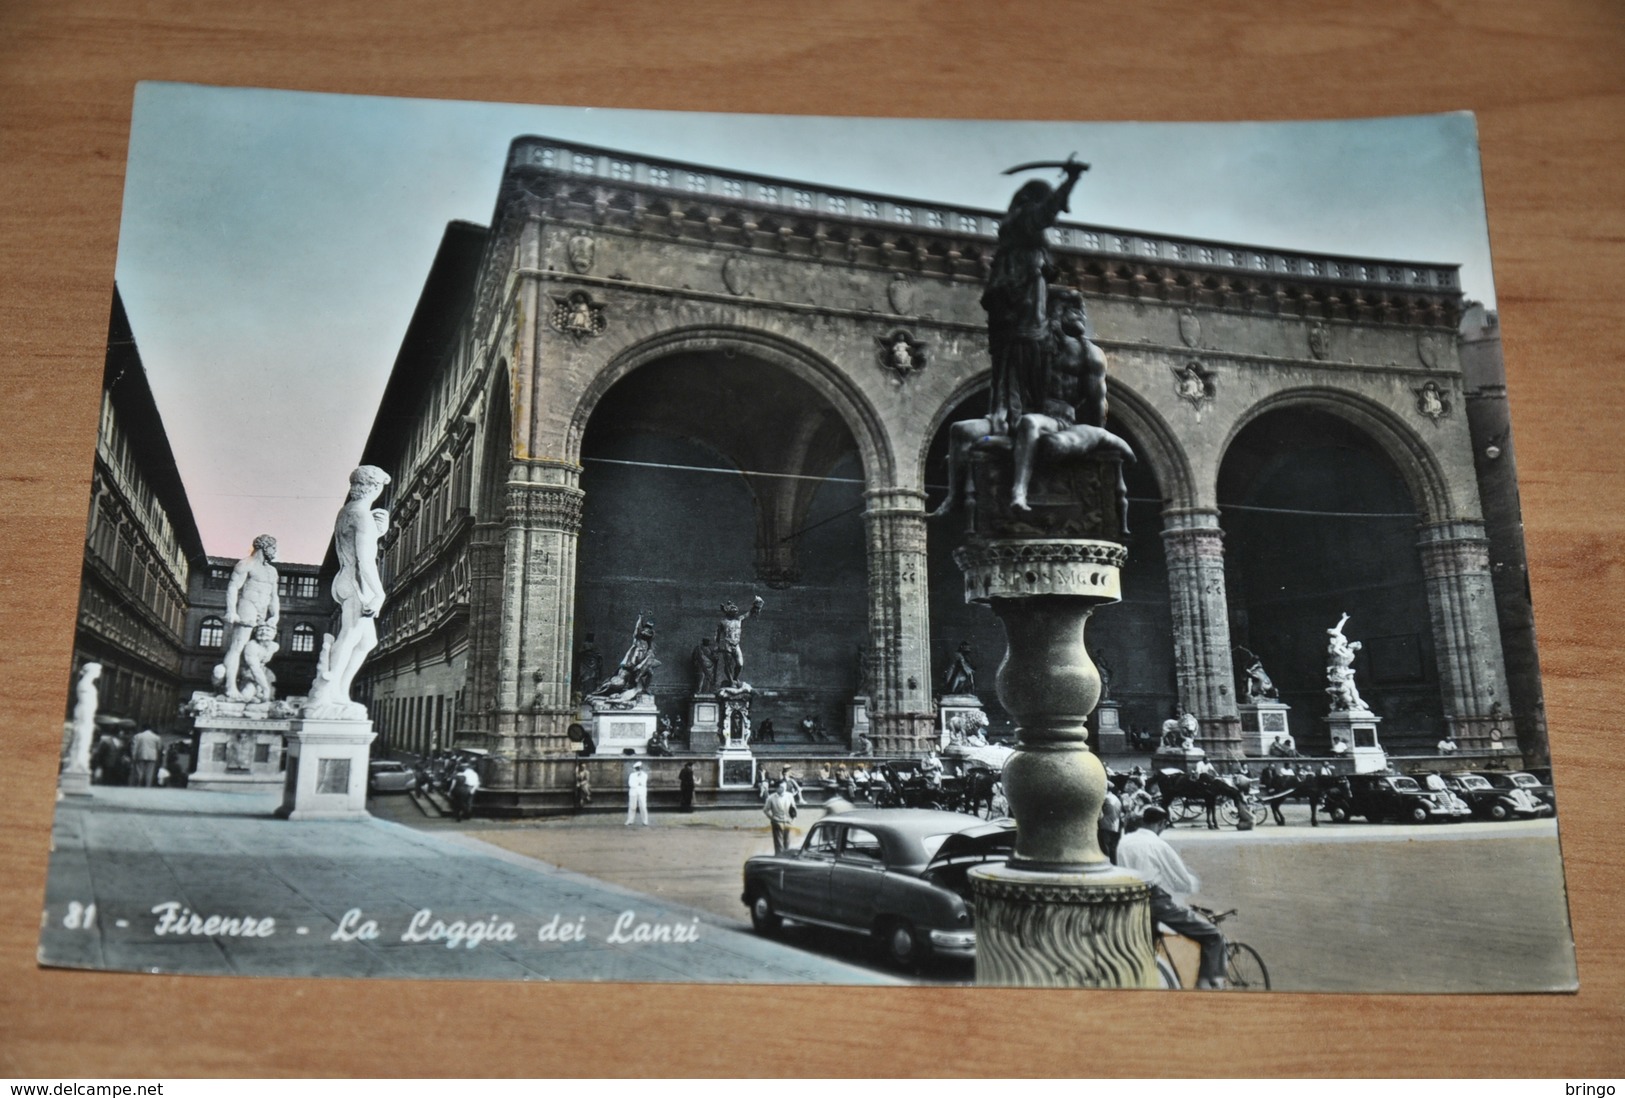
<point>273,244</point>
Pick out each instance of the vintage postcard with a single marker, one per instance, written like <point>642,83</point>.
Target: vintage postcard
<point>561,544</point>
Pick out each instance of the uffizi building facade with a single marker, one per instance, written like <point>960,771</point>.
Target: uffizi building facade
<point>650,387</point>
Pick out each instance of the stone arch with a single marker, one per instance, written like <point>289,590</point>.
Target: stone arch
<point>1411,455</point>
<point>489,497</point>
<point>827,379</point>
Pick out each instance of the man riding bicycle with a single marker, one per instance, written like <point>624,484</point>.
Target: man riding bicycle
<point>1144,850</point>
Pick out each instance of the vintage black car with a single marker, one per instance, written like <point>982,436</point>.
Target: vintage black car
<point>1380,797</point>
<point>896,874</point>
<point>1519,781</point>
<point>1489,803</point>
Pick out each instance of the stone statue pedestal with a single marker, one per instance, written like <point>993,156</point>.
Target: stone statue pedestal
<point>735,705</point>
<point>857,719</point>
<point>327,769</point>
<point>950,706</point>
<point>240,748</point>
<point>1113,740</point>
<point>74,783</point>
<point>616,730</point>
<point>1059,914</point>
<point>1358,727</point>
<point>1262,719</point>
<point>704,720</point>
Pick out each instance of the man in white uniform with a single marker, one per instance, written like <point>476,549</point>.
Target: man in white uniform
<point>1144,850</point>
<point>637,795</point>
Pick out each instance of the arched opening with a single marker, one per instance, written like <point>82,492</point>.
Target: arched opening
<point>714,475</point>
<point>1319,521</point>
<point>1132,639</point>
<point>496,451</point>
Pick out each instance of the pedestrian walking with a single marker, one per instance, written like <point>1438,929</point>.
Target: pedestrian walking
<point>780,810</point>
<point>144,751</point>
<point>1111,824</point>
<point>464,786</point>
<point>637,795</point>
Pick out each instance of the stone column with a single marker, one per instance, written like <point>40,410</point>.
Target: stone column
<point>543,526</point>
<point>1195,548</point>
<point>899,622</point>
<point>1466,634</point>
<point>476,723</point>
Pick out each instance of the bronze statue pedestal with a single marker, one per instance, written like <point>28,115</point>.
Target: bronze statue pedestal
<point>1060,914</point>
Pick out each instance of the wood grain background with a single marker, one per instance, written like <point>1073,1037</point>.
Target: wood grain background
<point>1548,84</point>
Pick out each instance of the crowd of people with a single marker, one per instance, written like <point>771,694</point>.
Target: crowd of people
<point>141,759</point>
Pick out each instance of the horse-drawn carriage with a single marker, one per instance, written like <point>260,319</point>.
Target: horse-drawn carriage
<point>906,785</point>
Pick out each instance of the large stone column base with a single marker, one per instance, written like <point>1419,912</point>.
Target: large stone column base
<point>327,770</point>
<point>74,783</point>
<point>1089,928</point>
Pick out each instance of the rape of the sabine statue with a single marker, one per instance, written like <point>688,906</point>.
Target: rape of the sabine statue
<point>359,592</point>
<point>1340,652</point>
<point>1041,479</point>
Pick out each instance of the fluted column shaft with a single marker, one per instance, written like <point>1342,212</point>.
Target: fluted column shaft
<point>1194,545</point>
<point>1466,633</point>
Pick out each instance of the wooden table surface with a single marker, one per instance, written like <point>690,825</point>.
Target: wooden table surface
<point>1546,80</point>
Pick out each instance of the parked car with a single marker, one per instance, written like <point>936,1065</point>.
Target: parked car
<point>390,776</point>
<point>1522,781</point>
<point>897,874</point>
<point>1380,797</point>
<point>1492,803</point>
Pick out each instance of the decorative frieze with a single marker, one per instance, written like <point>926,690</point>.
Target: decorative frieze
<point>545,506</point>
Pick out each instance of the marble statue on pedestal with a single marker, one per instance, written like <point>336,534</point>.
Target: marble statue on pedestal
<point>634,676</point>
<point>1340,652</point>
<point>704,661</point>
<point>1259,684</point>
<point>85,700</point>
<point>359,592</point>
<point>961,676</point>
<point>730,654</point>
<point>251,602</point>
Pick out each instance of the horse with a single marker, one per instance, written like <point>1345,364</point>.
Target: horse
<point>1181,793</point>
<point>1281,782</point>
<point>974,794</point>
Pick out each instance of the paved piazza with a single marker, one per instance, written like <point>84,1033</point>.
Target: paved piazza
<point>1342,907</point>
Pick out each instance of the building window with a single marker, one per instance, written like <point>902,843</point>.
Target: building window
<point>620,169</point>
<point>582,163</point>
<point>804,200</point>
<point>304,638</point>
<point>696,181</point>
<point>933,219</point>
<point>967,224</point>
<point>871,209</point>
<point>305,587</point>
<point>768,194</point>
<point>219,578</point>
<point>837,205</point>
<point>660,177</point>
<point>211,633</point>
<point>904,215</point>
<point>733,188</point>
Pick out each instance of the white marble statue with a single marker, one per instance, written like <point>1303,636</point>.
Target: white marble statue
<point>251,602</point>
<point>358,590</point>
<point>1340,652</point>
<point>85,700</point>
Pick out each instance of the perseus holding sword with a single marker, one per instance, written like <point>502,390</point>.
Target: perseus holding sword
<point>1016,297</point>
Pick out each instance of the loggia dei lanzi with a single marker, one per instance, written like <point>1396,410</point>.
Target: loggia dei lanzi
<point>177,920</point>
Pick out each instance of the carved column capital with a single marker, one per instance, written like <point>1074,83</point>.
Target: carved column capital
<point>545,507</point>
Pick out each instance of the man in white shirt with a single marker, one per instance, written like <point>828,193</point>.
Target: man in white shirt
<point>1447,746</point>
<point>780,810</point>
<point>467,784</point>
<point>1144,851</point>
<point>637,794</point>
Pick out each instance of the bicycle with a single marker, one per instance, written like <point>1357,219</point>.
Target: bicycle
<point>1177,958</point>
